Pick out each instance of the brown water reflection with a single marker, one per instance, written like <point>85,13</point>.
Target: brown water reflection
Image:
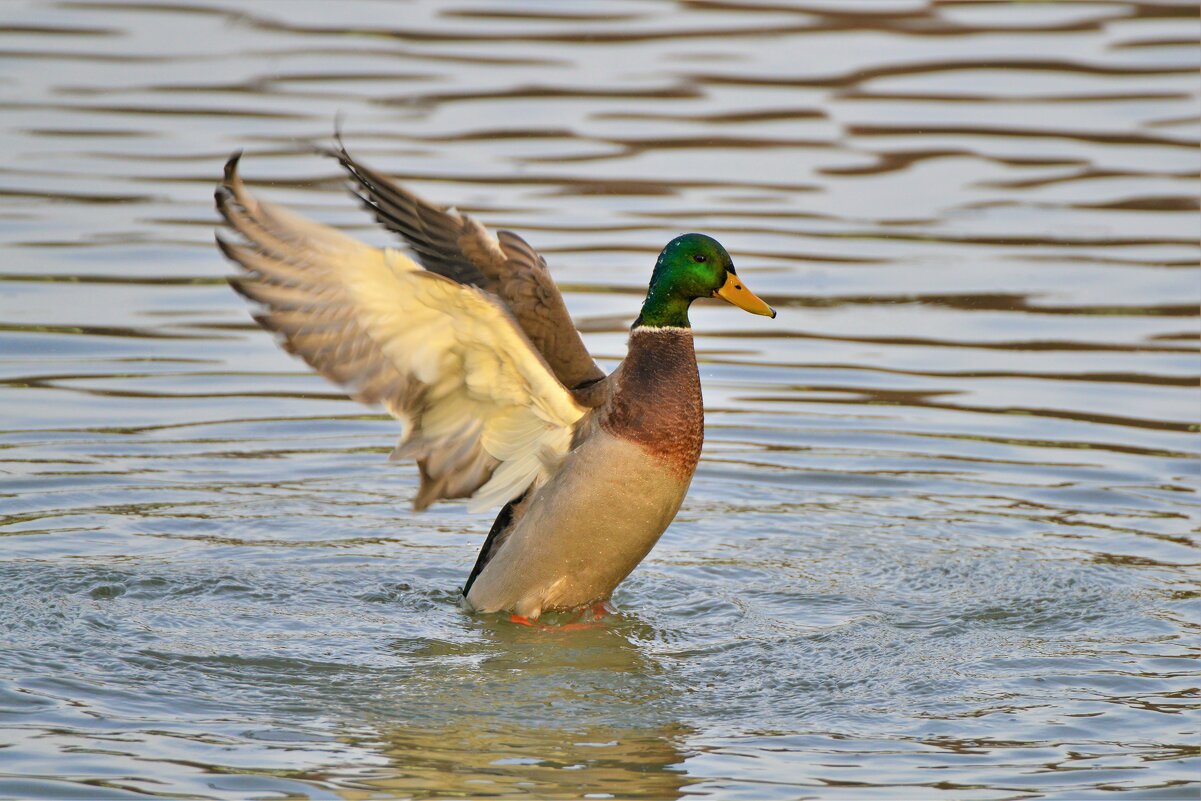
<point>943,541</point>
<point>521,762</point>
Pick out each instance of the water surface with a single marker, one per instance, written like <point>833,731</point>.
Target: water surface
<point>943,541</point>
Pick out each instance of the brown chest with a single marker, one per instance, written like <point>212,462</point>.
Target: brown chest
<point>656,402</point>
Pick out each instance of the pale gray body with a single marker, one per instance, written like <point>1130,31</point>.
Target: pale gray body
<point>584,531</point>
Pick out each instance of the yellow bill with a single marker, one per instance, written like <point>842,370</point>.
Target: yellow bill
<point>734,292</point>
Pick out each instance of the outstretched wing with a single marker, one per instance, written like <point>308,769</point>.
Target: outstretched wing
<point>453,244</point>
<point>483,414</point>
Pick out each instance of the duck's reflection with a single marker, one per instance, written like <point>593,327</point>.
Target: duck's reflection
<point>478,758</point>
<point>520,712</point>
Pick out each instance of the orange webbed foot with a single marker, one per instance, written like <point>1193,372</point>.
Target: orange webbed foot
<point>522,620</point>
<point>590,617</point>
<point>577,626</point>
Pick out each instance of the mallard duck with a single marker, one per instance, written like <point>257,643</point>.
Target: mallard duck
<point>469,344</point>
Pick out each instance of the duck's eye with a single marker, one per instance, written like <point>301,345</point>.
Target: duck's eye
<point>699,258</point>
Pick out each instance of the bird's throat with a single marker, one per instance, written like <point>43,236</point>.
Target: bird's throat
<point>663,310</point>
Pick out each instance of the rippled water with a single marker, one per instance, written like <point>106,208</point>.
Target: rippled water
<point>944,537</point>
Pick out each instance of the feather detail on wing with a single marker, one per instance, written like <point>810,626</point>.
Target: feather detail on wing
<point>483,414</point>
<point>453,244</point>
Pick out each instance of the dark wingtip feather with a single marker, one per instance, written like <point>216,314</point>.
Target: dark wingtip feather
<point>228,189</point>
<point>339,118</point>
<point>329,152</point>
<point>340,152</point>
<point>223,196</point>
<point>229,250</point>
<point>231,168</point>
<point>265,319</point>
<point>241,285</point>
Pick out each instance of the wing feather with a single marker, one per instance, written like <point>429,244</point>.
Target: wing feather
<point>483,414</point>
<point>457,246</point>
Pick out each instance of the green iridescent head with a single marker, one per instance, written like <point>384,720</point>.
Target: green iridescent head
<point>693,266</point>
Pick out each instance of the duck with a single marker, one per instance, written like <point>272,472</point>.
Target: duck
<point>464,338</point>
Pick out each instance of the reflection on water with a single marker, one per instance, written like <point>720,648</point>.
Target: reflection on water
<point>943,540</point>
<point>525,713</point>
<point>528,761</point>
<point>525,717</point>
